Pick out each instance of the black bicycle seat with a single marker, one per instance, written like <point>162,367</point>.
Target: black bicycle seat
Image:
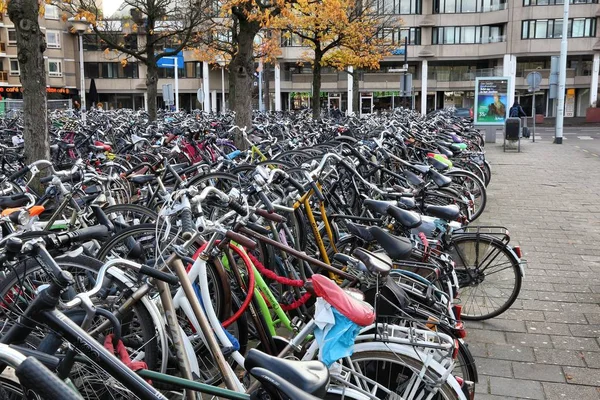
<point>17,200</point>
<point>360,231</point>
<point>449,213</point>
<point>407,219</point>
<point>376,263</point>
<point>439,179</point>
<point>398,248</point>
<point>437,164</point>
<point>445,151</point>
<point>278,386</point>
<point>142,179</point>
<point>420,168</point>
<point>378,206</point>
<point>309,376</point>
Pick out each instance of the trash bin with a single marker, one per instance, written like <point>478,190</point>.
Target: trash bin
<point>512,131</point>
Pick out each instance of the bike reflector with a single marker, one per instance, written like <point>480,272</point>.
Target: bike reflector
<point>517,250</point>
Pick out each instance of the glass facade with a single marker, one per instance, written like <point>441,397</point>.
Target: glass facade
<point>468,34</point>
<point>552,28</point>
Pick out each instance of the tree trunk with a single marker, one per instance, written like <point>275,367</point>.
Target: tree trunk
<point>242,66</point>
<point>267,82</point>
<point>152,88</point>
<point>356,92</point>
<point>231,83</point>
<point>316,89</point>
<point>31,44</point>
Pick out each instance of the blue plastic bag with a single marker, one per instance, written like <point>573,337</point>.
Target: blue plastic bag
<point>336,340</point>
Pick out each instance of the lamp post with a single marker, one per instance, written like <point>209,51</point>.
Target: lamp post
<point>81,26</point>
<point>222,64</point>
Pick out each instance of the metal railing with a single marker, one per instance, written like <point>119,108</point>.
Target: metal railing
<point>459,76</point>
<point>8,105</point>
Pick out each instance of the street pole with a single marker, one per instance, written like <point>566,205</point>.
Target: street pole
<point>82,78</point>
<point>175,64</point>
<point>260,78</point>
<point>405,66</point>
<point>562,77</point>
<point>222,89</point>
<point>533,114</point>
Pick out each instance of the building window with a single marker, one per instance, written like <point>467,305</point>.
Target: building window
<point>51,12</point>
<point>527,3</point>
<point>552,28</point>
<point>14,67</point>
<point>55,68</point>
<point>396,36</point>
<point>169,73</point>
<point>111,70</point>
<point>468,34</point>
<point>53,39</point>
<point>403,7</point>
<point>193,69</point>
<point>12,37</point>
<point>467,6</point>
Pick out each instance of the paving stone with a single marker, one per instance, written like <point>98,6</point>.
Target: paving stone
<point>510,352</point>
<point>523,315</point>
<point>550,328</point>
<point>592,331</point>
<point>478,350</point>
<point>582,376</point>
<point>497,324</point>
<point>559,357</point>
<point>574,343</point>
<point>516,388</point>
<point>493,367</point>
<point>588,298</point>
<point>560,297</point>
<point>592,359</point>
<point>541,305</point>
<point>528,339</point>
<point>538,372</point>
<point>562,391</point>
<point>482,396</point>
<point>593,318</point>
<point>566,318</point>
<point>485,336</point>
<point>580,308</point>
<point>572,288</point>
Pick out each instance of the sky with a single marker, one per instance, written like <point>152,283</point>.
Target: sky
<point>110,6</point>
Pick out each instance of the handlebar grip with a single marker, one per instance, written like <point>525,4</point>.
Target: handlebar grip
<point>187,224</point>
<point>270,216</point>
<point>318,192</point>
<point>74,177</point>
<point>265,200</point>
<point>241,239</point>
<point>20,173</point>
<point>33,375</point>
<point>161,276</point>
<point>238,207</point>
<point>102,218</point>
<point>296,184</point>
<point>98,232</point>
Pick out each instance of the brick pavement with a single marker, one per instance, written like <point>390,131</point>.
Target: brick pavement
<point>548,345</point>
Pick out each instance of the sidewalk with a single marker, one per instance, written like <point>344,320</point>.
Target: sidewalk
<point>547,346</point>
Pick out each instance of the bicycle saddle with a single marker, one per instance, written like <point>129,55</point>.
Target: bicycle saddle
<point>380,207</point>
<point>360,231</point>
<point>439,179</point>
<point>445,151</point>
<point>407,219</point>
<point>17,200</point>
<point>376,263</point>
<point>420,168</point>
<point>440,166</point>
<point>311,377</point>
<point>398,248</point>
<point>142,179</point>
<point>275,384</point>
<point>448,213</point>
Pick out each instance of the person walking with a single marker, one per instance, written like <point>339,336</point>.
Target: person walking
<point>516,111</point>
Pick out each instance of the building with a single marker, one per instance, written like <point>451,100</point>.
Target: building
<point>61,65</point>
<point>450,43</point>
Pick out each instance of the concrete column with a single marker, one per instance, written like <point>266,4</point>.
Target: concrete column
<point>594,85</point>
<point>510,70</point>
<point>205,86</point>
<point>350,91</point>
<point>424,68</point>
<point>213,101</point>
<point>277,87</point>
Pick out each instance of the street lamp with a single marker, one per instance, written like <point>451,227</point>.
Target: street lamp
<point>222,63</point>
<point>80,26</point>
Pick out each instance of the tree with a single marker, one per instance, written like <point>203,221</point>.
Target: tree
<point>31,44</point>
<point>239,33</point>
<point>166,27</point>
<point>340,33</point>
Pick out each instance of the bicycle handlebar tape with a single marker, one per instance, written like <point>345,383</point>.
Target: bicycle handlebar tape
<point>34,376</point>
<point>238,207</point>
<point>159,275</point>
<point>187,224</point>
<point>20,173</point>
<point>265,200</point>
<point>296,184</point>
<point>241,239</point>
<point>270,216</point>
<point>318,192</point>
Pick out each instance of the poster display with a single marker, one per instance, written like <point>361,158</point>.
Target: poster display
<point>491,100</point>
<point>570,103</point>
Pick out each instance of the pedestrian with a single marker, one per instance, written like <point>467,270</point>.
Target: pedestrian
<point>99,106</point>
<point>516,111</point>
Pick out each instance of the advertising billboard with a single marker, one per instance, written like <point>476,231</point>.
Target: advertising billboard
<point>491,100</point>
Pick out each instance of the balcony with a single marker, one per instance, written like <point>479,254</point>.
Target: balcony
<point>462,76</point>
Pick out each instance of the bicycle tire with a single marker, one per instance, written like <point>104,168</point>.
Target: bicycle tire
<point>462,264</point>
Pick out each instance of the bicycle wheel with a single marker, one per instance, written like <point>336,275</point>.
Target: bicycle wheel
<point>393,371</point>
<point>137,326</point>
<point>489,275</point>
<point>472,187</point>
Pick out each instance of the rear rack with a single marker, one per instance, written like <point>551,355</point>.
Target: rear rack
<point>499,232</point>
